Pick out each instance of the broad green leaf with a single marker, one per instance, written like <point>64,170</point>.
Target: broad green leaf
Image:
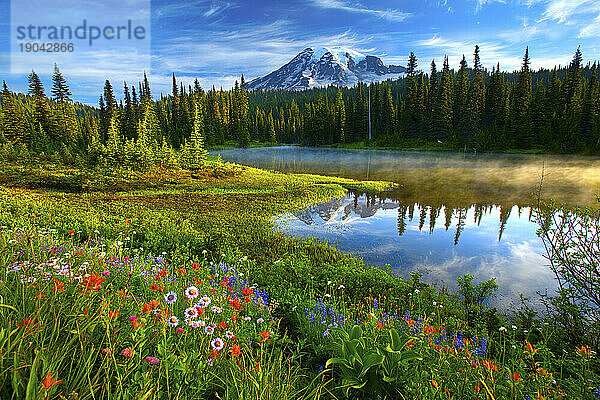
<point>370,361</point>
<point>356,332</point>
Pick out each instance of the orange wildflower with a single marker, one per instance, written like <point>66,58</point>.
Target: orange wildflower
<point>49,382</point>
<point>584,350</point>
<point>265,335</point>
<point>529,348</point>
<point>236,350</point>
<point>434,384</point>
<point>490,365</point>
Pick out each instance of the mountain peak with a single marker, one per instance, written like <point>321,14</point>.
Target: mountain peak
<point>323,66</point>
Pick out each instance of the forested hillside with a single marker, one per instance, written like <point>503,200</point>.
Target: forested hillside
<point>554,110</point>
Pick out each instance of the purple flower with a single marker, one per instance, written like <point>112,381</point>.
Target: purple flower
<point>152,360</point>
<point>106,273</point>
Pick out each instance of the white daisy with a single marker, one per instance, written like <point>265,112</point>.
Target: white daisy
<point>170,297</point>
<point>217,344</point>
<point>173,321</point>
<point>191,312</point>
<point>191,292</point>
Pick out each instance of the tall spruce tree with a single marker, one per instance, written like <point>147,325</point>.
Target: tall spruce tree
<point>476,100</point>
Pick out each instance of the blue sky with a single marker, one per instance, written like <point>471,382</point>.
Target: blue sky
<point>217,41</point>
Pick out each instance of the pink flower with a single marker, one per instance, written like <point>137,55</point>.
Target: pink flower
<point>106,351</point>
<point>106,273</point>
<point>179,330</point>
<point>152,360</point>
<point>132,318</point>
<point>126,352</point>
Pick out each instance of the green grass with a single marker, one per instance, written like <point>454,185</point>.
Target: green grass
<point>223,213</point>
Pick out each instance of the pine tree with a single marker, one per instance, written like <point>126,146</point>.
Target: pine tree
<point>11,118</point>
<point>340,117</point>
<point>196,144</point>
<point>42,114</point>
<point>242,115</point>
<point>461,99</point>
<point>66,116</point>
<point>476,100</point>
<point>445,104</point>
<point>521,115</point>
<point>389,118</point>
<point>412,98</point>
<point>60,89</point>
<point>432,101</point>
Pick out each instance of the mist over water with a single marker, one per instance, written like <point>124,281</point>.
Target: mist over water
<point>453,213</point>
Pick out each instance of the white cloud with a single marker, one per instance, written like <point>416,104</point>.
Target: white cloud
<point>481,3</point>
<point>591,30</point>
<point>562,10</point>
<point>490,52</point>
<point>390,14</point>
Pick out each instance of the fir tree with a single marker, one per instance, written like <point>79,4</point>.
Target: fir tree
<point>11,118</point>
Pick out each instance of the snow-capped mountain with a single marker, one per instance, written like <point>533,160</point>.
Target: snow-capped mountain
<point>322,66</point>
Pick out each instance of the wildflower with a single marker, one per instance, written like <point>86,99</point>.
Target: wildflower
<point>434,384</point>
<point>236,351</point>
<point>204,301</point>
<point>170,297</point>
<point>235,303</point>
<point>502,329</point>
<point>132,318</point>
<point>515,377</point>
<point>152,360</point>
<point>477,389</point>
<point>209,362</point>
<point>341,287</point>
<point>49,382</point>
<point>113,314</point>
<point>260,321</point>
<point>514,327</point>
<point>106,351</point>
<point>229,335</point>
<point>28,324</point>
<point>173,321</point>
<point>247,318</point>
<point>191,292</point>
<point>583,350</point>
<point>126,352</point>
<point>217,344</point>
<point>265,335</point>
<point>326,333</point>
<point>179,330</point>
<point>529,348</point>
<point>247,291</point>
<point>92,282</point>
<point>209,330</point>
<point>216,310</point>
<point>490,365</point>
<point>191,312</point>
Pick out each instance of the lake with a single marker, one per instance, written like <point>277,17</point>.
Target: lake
<point>452,213</point>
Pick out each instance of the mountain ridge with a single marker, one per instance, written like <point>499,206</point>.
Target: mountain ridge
<point>323,66</point>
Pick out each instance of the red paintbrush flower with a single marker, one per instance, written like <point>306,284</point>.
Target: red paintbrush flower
<point>92,282</point>
<point>49,382</point>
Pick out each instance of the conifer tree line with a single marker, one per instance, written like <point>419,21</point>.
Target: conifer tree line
<point>554,110</point>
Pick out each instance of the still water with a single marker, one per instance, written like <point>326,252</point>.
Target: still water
<point>452,213</point>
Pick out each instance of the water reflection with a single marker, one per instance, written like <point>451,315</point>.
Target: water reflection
<point>439,242</point>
